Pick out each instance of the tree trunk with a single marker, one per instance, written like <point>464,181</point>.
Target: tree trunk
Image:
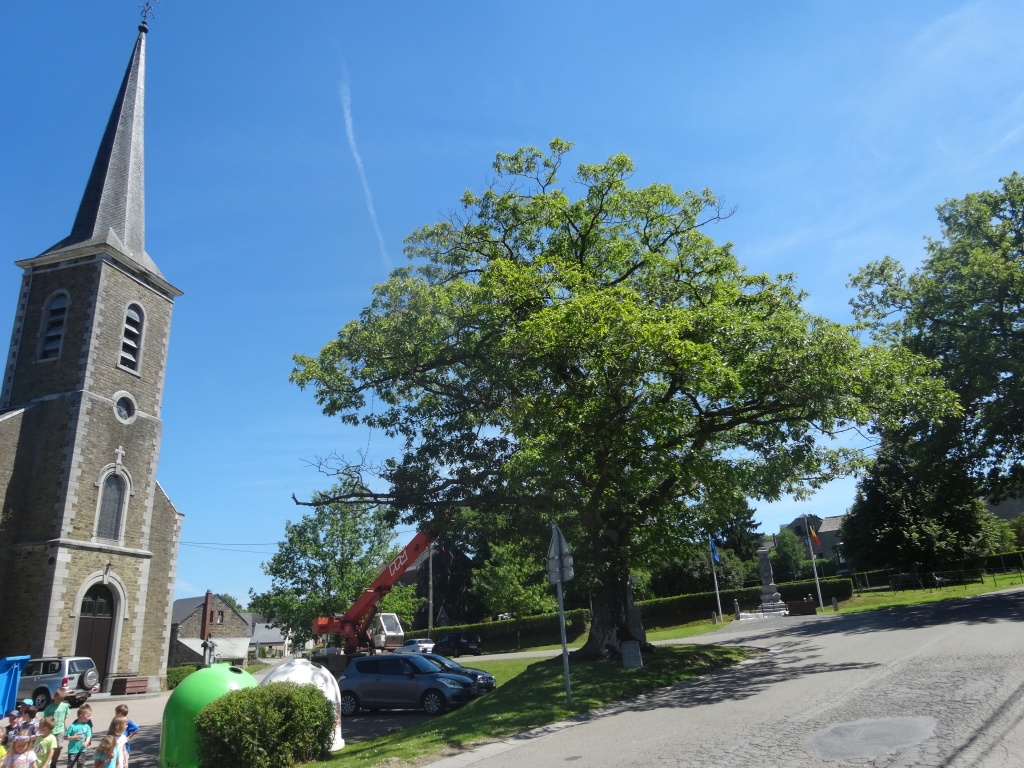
<point>609,621</point>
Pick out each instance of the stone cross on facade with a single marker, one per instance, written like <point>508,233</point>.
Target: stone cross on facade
<point>120,455</point>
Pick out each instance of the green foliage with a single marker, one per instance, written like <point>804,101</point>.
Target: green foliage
<point>514,582</point>
<point>237,606</point>
<point>588,355</point>
<point>272,726</point>
<point>693,574</point>
<point>906,511</point>
<point>325,562</point>
<point>534,630</point>
<point>839,588</point>
<point>403,601</point>
<point>739,532</point>
<point>176,674</point>
<point>964,308</point>
<point>787,556</point>
<point>1017,526</point>
<point>999,534</point>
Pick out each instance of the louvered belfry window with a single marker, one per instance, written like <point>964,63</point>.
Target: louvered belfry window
<point>131,339</point>
<point>111,507</point>
<point>54,319</point>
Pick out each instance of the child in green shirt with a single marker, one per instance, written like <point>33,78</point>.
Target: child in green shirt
<point>78,736</point>
<point>45,742</point>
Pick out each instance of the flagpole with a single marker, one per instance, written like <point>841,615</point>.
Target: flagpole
<point>814,563</point>
<point>714,574</point>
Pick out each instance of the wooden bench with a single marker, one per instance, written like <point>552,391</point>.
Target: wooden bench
<point>124,686</point>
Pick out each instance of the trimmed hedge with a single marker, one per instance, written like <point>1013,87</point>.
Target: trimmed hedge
<point>840,589</point>
<point>272,726</point>
<point>176,674</point>
<point>534,630</point>
<point>1011,560</point>
<point>682,609</point>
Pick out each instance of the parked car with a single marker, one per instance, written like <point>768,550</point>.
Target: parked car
<point>421,645</point>
<point>400,682</point>
<point>483,682</point>
<point>457,643</point>
<point>42,677</point>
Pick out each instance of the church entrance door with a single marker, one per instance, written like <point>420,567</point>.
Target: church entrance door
<point>95,623</point>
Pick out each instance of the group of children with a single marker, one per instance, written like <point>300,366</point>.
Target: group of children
<point>28,743</point>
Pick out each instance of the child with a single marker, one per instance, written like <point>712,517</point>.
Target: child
<point>13,721</point>
<point>58,709</point>
<point>45,742</point>
<point>117,728</point>
<point>79,734</point>
<point>130,730</point>
<point>106,753</point>
<point>28,719</point>
<point>21,754</point>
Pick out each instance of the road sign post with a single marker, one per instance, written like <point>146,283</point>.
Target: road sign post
<point>559,570</point>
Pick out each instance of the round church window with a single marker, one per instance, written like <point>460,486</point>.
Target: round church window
<point>125,409</point>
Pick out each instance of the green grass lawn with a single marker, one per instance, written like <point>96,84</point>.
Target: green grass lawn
<point>661,633</point>
<point>873,600</point>
<point>531,693</point>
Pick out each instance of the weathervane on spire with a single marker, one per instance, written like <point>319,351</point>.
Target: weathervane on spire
<point>147,13</point>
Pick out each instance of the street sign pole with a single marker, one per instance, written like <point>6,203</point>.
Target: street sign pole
<point>559,570</point>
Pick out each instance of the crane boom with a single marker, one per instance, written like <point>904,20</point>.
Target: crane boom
<point>352,624</point>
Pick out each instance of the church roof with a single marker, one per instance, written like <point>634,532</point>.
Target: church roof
<point>113,207</point>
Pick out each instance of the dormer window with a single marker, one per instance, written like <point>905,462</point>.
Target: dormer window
<point>54,319</point>
<point>131,338</point>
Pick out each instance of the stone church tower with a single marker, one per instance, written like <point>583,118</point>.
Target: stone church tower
<point>88,538</point>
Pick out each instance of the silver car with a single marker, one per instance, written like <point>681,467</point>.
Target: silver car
<point>420,645</point>
<point>42,678</point>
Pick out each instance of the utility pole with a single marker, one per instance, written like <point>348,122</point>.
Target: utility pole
<point>430,590</point>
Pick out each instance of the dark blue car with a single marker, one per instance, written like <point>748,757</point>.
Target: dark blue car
<point>405,681</point>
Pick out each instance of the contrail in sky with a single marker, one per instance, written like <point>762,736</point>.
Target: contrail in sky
<point>346,104</point>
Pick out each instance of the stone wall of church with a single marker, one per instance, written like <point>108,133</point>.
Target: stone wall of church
<point>34,378</point>
<point>166,532</point>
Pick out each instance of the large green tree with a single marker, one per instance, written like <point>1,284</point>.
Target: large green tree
<point>587,355</point>
<point>963,308</point>
<point>325,562</point>
<point>514,581</point>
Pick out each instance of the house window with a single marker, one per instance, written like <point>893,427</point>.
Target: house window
<point>220,617</point>
<point>54,320</point>
<point>114,493</point>
<point>131,338</point>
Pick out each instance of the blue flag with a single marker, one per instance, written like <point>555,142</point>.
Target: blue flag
<point>714,550</point>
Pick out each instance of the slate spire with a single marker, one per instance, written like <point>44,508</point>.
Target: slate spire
<point>113,207</point>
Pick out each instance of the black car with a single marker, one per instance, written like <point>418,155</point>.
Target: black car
<point>457,643</point>
<point>483,682</point>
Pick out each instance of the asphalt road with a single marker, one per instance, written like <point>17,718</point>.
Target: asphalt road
<point>933,685</point>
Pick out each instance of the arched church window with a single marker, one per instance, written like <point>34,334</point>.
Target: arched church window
<point>114,492</point>
<point>54,320</point>
<point>131,337</point>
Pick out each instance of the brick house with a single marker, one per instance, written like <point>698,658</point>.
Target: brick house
<point>195,618</point>
<point>87,533</point>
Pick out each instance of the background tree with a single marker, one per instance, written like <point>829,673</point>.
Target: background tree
<point>232,602</point>
<point>787,555</point>
<point>514,581</point>
<point>324,563</point>
<point>691,574</point>
<point>1017,526</point>
<point>600,362</point>
<point>739,532</point>
<point>964,308</point>
<point>402,600</point>
<point>905,512</point>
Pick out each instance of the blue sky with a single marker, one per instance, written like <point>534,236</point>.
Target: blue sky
<point>834,128</point>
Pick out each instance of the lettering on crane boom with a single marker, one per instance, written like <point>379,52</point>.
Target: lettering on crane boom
<point>398,562</point>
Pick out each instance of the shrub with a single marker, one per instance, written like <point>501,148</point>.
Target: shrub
<point>840,589</point>
<point>176,674</point>
<point>534,630</point>
<point>272,726</point>
<point>682,609</point>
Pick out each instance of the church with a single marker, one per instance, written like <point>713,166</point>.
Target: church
<point>88,537</point>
